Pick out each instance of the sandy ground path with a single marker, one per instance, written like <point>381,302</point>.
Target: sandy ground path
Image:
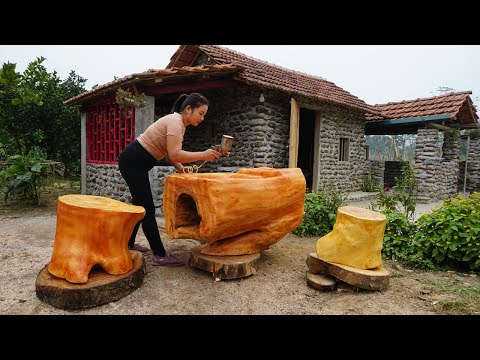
<point>279,287</point>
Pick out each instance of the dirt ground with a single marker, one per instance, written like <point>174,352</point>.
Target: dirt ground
<point>279,287</point>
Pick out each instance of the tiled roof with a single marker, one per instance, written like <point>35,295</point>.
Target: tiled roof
<point>456,104</point>
<point>271,76</point>
<point>156,75</point>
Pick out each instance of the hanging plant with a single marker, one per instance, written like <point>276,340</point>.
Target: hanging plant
<point>130,98</point>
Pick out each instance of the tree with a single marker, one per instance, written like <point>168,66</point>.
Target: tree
<point>13,95</point>
<point>54,127</point>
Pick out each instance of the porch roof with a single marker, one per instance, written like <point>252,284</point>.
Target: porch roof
<point>456,108</point>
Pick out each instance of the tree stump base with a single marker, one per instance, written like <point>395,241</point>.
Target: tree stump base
<point>224,267</point>
<point>101,287</point>
<point>321,282</point>
<point>373,279</point>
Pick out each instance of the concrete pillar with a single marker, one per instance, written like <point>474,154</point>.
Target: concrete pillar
<point>144,117</point>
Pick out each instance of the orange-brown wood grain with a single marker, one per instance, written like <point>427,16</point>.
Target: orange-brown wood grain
<point>235,213</point>
<point>92,230</point>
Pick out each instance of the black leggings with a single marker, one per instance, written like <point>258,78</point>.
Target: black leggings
<point>134,163</point>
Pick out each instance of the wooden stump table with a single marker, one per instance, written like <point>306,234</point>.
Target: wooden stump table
<point>234,213</point>
<point>91,231</point>
<point>236,216</point>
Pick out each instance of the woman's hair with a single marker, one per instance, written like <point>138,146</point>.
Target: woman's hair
<point>194,100</point>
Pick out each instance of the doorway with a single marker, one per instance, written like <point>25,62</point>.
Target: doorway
<point>306,151</point>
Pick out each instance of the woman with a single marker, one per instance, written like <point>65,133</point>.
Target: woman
<point>162,139</point>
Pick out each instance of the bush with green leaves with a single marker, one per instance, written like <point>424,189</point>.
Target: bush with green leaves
<point>369,184</point>
<point>400,243</point>
<point>403,196</point>
<point>320,210</point>
<point>450,235</point>
<point>24,176</point>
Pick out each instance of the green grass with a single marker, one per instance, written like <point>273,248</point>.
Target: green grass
<point>467,298</point>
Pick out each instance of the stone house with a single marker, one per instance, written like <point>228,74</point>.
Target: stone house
<point>436,121</point>
<point>278,118</point>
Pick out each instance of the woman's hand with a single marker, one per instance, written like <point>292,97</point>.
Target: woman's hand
<point>211,154</point>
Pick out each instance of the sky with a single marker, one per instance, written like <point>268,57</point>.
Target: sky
<point>376,74</point>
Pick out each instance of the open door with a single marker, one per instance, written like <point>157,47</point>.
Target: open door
<point>303,147</point>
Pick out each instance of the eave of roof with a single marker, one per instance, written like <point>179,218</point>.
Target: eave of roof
<point>155,76</point>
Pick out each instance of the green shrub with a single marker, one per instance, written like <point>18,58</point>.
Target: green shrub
<point>24,176</point>
<point>320,210</point>
<point>369,184</point>
<point>450,235</point>
<point>398,241</point>
<point>402,197</point>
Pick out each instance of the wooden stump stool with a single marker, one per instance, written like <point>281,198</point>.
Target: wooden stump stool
<point>356,239</point>
<point>92,230</point>
<point>101,288</point>
<point>351,252</point>
<point>224,267</point>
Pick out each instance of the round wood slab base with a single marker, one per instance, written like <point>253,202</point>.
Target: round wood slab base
<point>224,267</point>
<point>101,288</point>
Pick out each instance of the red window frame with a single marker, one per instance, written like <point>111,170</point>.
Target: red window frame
<point>109,130</point>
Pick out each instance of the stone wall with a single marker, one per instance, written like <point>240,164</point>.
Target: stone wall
<point>377,169</point>
<point>339,122</point>
<point>106,180</point>
<point>436,177</point>
<point>260,130</point>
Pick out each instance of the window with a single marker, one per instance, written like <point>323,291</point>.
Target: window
<point>367,152</point>
<point>109,130</point>
<point>344,149</point>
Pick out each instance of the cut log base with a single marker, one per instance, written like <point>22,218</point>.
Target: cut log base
<point>321,282</point>
<point>224,267</point>
<point>373,279</point>
<point>101,287</point>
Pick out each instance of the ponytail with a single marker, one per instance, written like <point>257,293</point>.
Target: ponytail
<point>177,106</point>
<point>194,100</point>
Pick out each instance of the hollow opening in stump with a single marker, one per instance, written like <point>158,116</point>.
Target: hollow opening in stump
<point>186,213</point>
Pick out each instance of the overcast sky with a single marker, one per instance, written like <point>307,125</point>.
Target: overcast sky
<point>374,73</point>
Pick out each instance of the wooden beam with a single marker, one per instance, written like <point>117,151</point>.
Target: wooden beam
<point>441,127</point>
<point>294,127</point>
<point>189,87</point>
<point>316,150</point>
<point>470,106</point>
